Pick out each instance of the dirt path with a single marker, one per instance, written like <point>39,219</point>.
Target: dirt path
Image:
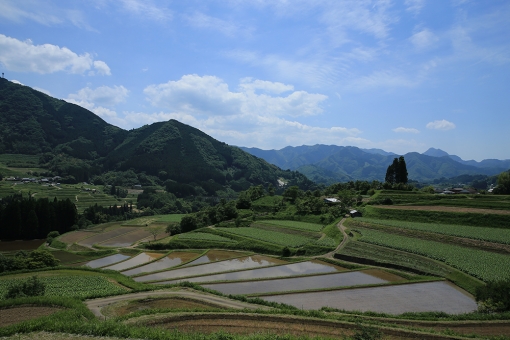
<point>341,227</point>
<point>96,305</point>
<point>444,208</point>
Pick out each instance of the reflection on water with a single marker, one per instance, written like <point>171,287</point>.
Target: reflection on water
<point>105,261</point>
<point>418,297</point>
<point>171,260</point>
<point>293,269</point>
<point>298,283</point>
<point>135,261</point>
<point>227,265</point>
<point>213,256</point>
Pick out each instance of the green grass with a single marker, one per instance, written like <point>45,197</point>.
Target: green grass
<point>483,265</point>
<point>269,236</point>
<point>468,219</point>
<point>197,236</point>
<point>170,218</point>
<point>295,225</point>
<point>496,235</point>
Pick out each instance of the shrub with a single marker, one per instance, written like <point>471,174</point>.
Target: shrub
<point>31,287</point>
<point>494,297</point>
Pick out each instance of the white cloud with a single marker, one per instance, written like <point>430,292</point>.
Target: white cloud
<point>102,68</point>
<point>443,125</point>
<point>16,82</point>
<point>414,6</point>
<point>209,95</point>
<point>228,28</point>
<point>24,56</point>
<point>42,90</point>
<point>103,96</point>
<point>386,78</point>
<point>423,39</point>
<point>406,130</point>
<point>146,9</point>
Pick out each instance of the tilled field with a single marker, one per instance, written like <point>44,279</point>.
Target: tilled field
<point>10,316</point>
<point>444,208</point>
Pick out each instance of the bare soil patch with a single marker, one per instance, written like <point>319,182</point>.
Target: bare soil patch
<point>11,316</point>
<point>75,236</point>
<point>444,208</point>
<point>20,245</point>
<point>176,302</point>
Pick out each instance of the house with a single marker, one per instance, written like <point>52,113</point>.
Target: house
<point>137,186</point>
<point>354,213</point>
<point>331,200</point>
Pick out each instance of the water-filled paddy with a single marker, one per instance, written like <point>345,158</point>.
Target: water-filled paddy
<point>105,261</point>
<point>101,237</point>
<point>213,256</point>
<point>135,261</point>
<point>297,283</point>
<point>223,266</point>
<point>20,245</point>
<point>418,297</point>
<point>171,260</point>
<point>127,239</point>
<point>293,269</point>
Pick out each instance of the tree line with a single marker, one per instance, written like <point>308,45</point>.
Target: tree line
<point>30,218</point>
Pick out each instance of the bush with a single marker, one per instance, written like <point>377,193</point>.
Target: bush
<point>31,287</point>
<point>173,229</point>
<point>494,297</point>
<point>51,236</point>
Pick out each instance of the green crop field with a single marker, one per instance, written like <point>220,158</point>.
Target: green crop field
<point>326,242</point>
<point>468,203</point>
<point>204,237</point>
<point>496,235</point>
<point>76,286</point>
<point>478,263</point>
<point>269,236</point>
<point>170,218</point>
<point>295,225</point>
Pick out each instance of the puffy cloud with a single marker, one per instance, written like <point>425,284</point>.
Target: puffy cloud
<point>103,95</point>
<point>406,130</point>
<point>24,56</point>
<point>443,125</point>
<point>17,82</point>
<point>209,95</point>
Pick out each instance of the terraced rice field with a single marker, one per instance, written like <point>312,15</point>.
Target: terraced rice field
<point>102,237</point>
<point>127,239</point>
<point>213,256</point>
<point>167,262</point>
<point>417,297</point>
<point>227,265</point>
<point>108,260</point>
<point>20,245</point>
<point>135,261</point>
<point>75,236</point>
<point>293,269</point>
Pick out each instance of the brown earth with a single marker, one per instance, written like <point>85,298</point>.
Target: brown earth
<point>10,316</point>
<point>443,208</point>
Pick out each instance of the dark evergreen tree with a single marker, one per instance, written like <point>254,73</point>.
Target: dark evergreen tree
<point>401,173</point>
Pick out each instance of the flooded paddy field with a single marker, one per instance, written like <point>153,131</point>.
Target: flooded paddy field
<point>108,260</point>
<point>135,261</point>
<point>298,283</point>
<point>169,261</point>
<point>101,237</point>
<point>20,245</point>
<point>75,236</point>
<point>438,296</point>
<point>293,269</point>
<point>127,239</point>
<point>222,266</point>
<point>215,255</point>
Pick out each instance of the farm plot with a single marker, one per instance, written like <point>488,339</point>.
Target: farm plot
<point>8,246</point>
<point>135,261</point>
<point>77,286</point>
<point>295,225</point>
<point>437,296</point>
<point>269,236</point>
<point>66,257</point>
<point>481,264</point>
<point>204,237</point>
<point>445,209</point>
<point>496,235</point>
<point>223,266</point>
<point>213,256</point>
<point>108,260</point>
<point>127,239</point>
<point>169,261</point>
<point>75,236</point>
<point>98,238</point>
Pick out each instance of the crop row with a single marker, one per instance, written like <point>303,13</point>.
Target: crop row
<point>478,263</point>
<point>295,225</point>
<point>269,236</point>
<point>496,235</point>
<point>71,286</point>
<point>326,242</point>
<point>204,237</point>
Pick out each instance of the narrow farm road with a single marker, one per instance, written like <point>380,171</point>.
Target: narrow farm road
<point>96,305</point>
<point>341,227</point>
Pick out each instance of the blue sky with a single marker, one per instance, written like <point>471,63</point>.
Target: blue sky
<point>397,75</point>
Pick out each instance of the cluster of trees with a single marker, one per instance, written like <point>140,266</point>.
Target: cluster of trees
<point>503,187</point>
<point>27,260</point>
<point>397,172</point>
<point>96,214</point>
<point>30,218</point>
<point>224,211</point>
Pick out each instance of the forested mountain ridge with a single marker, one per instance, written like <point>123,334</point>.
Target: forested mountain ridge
<point>75,143</point>
<point>329,163</point>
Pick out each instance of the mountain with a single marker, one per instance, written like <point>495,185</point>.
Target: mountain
<point>495,165</point>
<point>77,144</point>
<point>329,164</point>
